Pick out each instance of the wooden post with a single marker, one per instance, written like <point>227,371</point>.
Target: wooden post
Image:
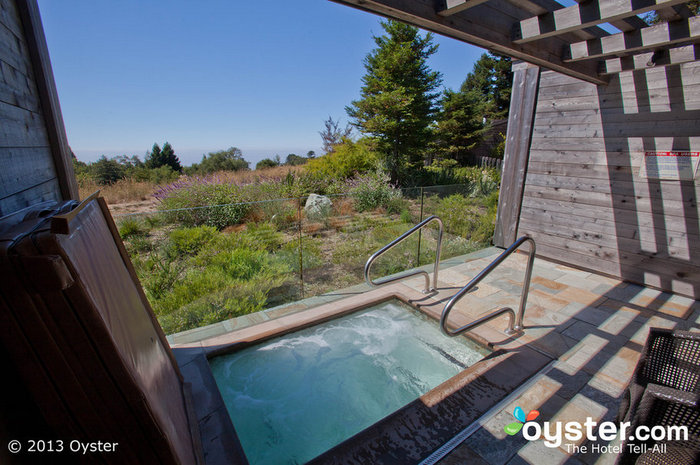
<point>526,79</point>
<point>46,86</point>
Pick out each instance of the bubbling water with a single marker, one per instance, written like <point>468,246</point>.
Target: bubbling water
<point>294,397</point>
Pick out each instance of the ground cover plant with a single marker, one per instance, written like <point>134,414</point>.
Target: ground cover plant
<point>202,263</point>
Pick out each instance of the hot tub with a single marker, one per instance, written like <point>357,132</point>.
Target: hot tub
<point>294,397</point>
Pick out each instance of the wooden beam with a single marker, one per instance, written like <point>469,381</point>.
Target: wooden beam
<point>48,96</point>
<point>581,16</point>
<point>629,24</point>
<point>674,13</point>
<point>455,6</point>
<point>485,26</point>
<point>626,24</point>
<point>660,58</point>
<point>653,37</point>
<point>521,117</point>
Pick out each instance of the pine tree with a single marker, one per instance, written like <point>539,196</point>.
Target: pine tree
<point>467,114</point>
<point>165,157</point>
<point>491,78</point>
<point>169,158</point>
<point>154,158</point>
<point>397,105</point>
<point>461,125</point>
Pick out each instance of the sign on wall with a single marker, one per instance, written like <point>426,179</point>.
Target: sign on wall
<point>673,165</point>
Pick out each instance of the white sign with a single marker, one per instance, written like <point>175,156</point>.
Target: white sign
<point>675,165</point>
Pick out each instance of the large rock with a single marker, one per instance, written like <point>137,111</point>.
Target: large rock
<point>317,207</point>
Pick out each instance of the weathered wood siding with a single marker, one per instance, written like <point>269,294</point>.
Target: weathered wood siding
<point>584,201</point>
<point>27,170</point>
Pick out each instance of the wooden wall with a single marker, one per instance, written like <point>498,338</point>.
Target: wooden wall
<point>584,201</point>
<point>34,158</point>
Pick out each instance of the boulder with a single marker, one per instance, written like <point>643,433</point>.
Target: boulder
<point>317,207</point>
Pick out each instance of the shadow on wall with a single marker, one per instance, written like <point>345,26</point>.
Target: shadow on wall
<point>656,217</point>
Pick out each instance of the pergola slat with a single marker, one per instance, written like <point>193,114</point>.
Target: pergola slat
<point>674,56</point>
<point>674,13</point>
<point>484,26</point>
<point>455,6</point>
<point>581,16</point>
<point>661,35</point>
<point>626,24</point>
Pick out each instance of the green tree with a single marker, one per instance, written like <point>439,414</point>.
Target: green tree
<point>398,99</point>
<point>129,162</point>
<point>492,79</point>
<point>154,158</point>
<point>165,157</point>
<point>460,126</point>
<point>465,115</point>
<point>169,157</point>
<point>295,160</point>
<point>107,170</point>
<point>268,163</point>
<point>230,159</point>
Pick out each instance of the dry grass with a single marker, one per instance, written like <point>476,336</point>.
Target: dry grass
<point>124,190</point>
<point>255,176</point>
<point>313,229</point>
<point>128,190</point>
<point>344,206</point>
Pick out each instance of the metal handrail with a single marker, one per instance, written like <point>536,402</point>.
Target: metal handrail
<point>518,320</point>
<point>395,242</point>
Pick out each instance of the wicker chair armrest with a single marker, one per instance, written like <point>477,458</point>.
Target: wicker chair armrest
<point>670,358</point>
<point>661,405</point>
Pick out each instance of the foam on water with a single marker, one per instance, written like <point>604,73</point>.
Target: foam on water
<point>294,397</point>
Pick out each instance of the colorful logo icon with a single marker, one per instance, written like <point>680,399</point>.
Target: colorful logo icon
<point>519,414</point>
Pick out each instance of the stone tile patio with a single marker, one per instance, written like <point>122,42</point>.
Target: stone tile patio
<point>593,326</point>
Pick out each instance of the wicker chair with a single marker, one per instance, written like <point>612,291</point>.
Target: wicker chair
<point>665,391</point>
<point>663,406</point>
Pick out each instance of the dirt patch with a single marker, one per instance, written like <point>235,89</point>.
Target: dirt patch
<point>141,206</point>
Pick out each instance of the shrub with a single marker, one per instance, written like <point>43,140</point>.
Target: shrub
<point>311,256</point>
<point>396,204</point>
<point>215,205</point>
<point>480,180</point>
<point>138,244</point>
<point>131,227</point>
<point>200,275</point>
<point>346,160</point>
<point>158,273</point>
<point>372,191</point>
<point>466,218</point>
<point>189,241</point>
<point>266,163</point>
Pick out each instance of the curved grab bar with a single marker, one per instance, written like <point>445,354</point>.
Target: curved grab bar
<point>395,242</point>
<point>517,319</point>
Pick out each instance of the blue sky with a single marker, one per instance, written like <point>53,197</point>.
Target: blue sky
<point>261,76</point>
